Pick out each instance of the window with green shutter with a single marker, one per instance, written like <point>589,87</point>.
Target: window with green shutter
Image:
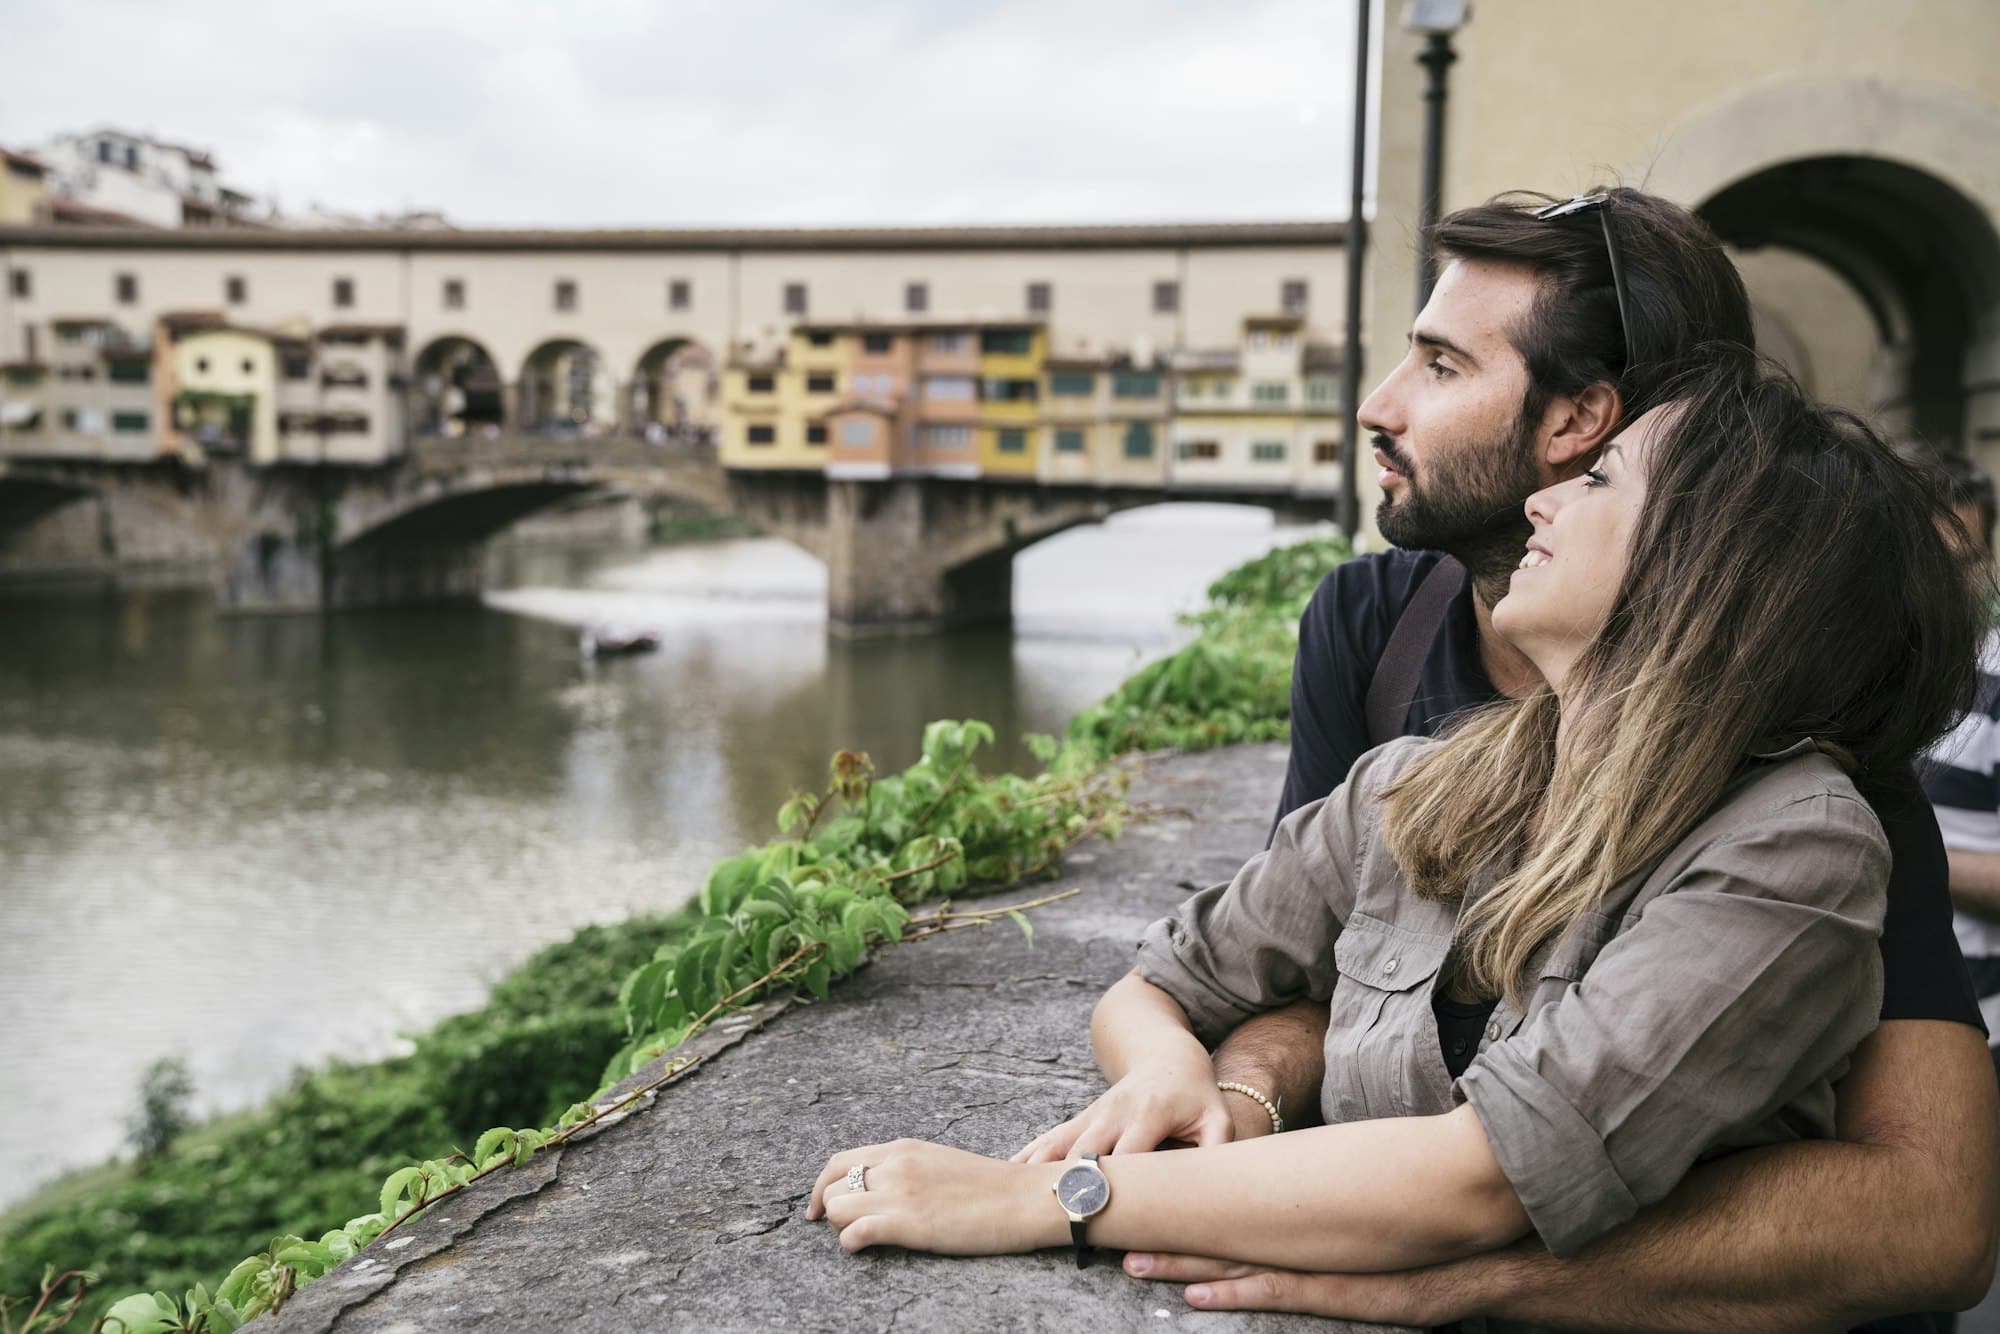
<point>1135,384</point>
<point>1069,440</point>
<point>1013,441</point>
<point>1270,391</point>
<point>1006,342</point>
<point>1138,440</point>
<point>1072,384</point>
<point>1267,451</point>
<point>130,421</point>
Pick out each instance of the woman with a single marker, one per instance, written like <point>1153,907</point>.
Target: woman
<point>1655,871</point>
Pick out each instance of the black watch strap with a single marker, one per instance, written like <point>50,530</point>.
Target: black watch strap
<point>1076,1226</point>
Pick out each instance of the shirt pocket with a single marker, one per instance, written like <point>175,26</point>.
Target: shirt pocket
<point>1379,1020</point>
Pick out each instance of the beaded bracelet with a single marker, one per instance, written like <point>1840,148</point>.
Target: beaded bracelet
<point>1277,1122</point>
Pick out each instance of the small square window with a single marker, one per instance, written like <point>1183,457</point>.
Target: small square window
<point>759,384</point>
<point>820,384</point>
<point>343,293</point>
<point>235,290</point>
<point>1166,298</point>
<point>1326,451</point>
<point>763,433</point>
<point>454,294</point>
<point>680,294</point>
<point>20,284</point>
<point>1013,441</point>
<point>1267,451</point>
<point>1041,298</point>
<point>916,297</point>
<point>795,298</point>
<point>1069,440</point>
<point>128,289</point>
<point>565,294</point>
<point>1293,295</point>
<point>876,343</point>
<point>816,433</point>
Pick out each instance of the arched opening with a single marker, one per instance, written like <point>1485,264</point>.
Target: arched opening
<point>674,393</point>
<point>564,391</point>
<point>457,390</point>
<point>1921,262</point>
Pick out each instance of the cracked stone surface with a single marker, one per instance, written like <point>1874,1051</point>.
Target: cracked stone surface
<point>689,1212</point>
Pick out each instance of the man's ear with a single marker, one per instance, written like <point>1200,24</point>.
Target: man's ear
<point>1580,424</point>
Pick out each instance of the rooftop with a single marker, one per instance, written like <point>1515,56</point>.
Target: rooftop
<point>1136,236</point>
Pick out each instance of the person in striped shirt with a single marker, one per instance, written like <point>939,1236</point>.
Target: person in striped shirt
<point>1962,778</point>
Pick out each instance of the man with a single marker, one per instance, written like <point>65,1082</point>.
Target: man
<point>1964,782</point>
<point>1536,344</point>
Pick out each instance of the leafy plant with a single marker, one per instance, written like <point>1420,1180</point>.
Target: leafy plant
<point>164,1093</point>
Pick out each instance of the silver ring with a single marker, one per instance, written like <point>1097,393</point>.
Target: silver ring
<point>857,1178</point>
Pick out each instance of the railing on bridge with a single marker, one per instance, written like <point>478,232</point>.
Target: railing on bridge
<point>437,454</point>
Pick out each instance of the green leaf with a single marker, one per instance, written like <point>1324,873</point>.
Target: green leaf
<point>816,978</point>
<point>1020,919</point>
<point>393,1188</point>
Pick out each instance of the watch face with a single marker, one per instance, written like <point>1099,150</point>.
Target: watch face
<point>1083,1190</point>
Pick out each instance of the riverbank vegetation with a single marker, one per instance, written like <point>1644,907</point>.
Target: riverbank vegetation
<point>853,861</point>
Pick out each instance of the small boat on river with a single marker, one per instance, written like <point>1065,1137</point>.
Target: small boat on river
<point>616,641</point>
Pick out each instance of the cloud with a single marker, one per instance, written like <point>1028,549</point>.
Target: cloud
<point>626,112</point>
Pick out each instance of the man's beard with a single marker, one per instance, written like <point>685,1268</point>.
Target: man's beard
<point>1467,502</point>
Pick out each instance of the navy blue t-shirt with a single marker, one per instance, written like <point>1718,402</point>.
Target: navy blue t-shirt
<point>1341,636</point>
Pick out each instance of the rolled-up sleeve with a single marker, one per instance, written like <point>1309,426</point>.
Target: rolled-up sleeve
<point>1266,938</point>
<point>1751,978</point>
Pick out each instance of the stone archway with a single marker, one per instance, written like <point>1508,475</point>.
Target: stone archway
<point>456,389</point>
<point>673,393</point>
<point>1893,186</point>
<point>1922,257</point>
<point>565,390</point>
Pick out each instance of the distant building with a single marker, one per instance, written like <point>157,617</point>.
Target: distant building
<point>24,190</point>
<point>145,180</point>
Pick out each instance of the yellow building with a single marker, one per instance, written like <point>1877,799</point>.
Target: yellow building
<point>1010,382</point>
<point>24,192</point>
<point>219,392</point>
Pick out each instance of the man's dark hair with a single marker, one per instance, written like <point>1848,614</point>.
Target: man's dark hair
<point>1681,291</point>
<point>1968,484</point>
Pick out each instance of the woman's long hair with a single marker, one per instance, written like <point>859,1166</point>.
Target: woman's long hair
<point>1788,579</point>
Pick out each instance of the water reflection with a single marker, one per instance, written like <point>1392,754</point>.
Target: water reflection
<point>258,842</point>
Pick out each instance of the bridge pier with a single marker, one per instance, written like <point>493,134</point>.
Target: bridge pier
<point>887,547</point>
<point>268,572</point>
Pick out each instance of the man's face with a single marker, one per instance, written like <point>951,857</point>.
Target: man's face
<point>1458,460</point>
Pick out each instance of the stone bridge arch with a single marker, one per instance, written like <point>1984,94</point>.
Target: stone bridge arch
<point>675,391</point>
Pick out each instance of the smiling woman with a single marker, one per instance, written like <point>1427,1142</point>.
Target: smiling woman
<point>1713,612</point>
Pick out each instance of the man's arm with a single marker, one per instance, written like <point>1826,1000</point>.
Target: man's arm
<point>1281,1054</point>
<point>1975,883</point>
<point>1897,1215</point>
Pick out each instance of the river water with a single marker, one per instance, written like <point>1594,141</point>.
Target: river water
<point>257,843</point>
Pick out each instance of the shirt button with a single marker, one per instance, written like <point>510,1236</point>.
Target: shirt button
<point>1493,1031</point>
<point>1389,967</point>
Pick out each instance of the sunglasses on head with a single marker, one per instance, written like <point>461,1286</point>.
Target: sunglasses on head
<point>1600,204</point>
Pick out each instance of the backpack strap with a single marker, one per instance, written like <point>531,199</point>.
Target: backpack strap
<point>1394,685</point>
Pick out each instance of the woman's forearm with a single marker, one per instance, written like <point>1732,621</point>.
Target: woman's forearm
<point>1362,1197</point>
<point>1136,1023</point>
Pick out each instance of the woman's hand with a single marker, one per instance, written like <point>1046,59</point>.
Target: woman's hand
<point>926,1197</point>
<point>1139,1113</point>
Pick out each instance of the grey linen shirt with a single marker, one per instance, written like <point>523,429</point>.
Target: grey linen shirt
<point>1708,1004</point>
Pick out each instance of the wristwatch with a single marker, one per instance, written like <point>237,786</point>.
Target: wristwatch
<point>1082,1191</point>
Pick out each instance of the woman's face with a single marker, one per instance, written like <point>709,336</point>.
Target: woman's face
<point>1561,595</point>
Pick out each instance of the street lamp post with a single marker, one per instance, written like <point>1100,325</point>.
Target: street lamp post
<point>1356,242</point>
<point>1437,20</point>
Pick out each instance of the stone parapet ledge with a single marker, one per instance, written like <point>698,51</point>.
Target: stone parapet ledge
<point>689,1212</point>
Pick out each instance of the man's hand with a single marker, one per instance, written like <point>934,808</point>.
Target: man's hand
<point>1414,1297</point>
<point>1142,1111</point>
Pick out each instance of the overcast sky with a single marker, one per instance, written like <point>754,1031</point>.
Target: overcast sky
<point>672,112</point>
